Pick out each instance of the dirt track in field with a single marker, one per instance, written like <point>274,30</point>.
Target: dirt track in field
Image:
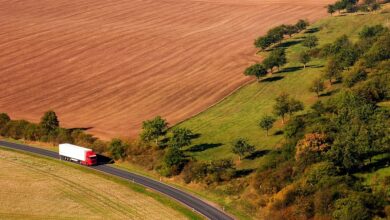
<point>110,64</point>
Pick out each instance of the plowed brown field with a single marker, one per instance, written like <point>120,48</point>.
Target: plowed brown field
<point>110,64</point>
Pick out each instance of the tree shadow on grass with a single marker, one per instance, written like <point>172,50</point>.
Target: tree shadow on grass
<point>279,132</point>
<point>288,43</point>
<point>272,79</point>
<point>315,66</point>
<point>376,165</point>
<point>257,154</point>
<point>81,129</point>
<point>243,172</point>
<point>312,30</point>
<point>291,69</point>
<point>203,147</point>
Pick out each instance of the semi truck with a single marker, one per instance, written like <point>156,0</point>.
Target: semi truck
<point>77,154</point>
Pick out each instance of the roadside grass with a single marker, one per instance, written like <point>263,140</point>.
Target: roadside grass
<point>38,187</point>
<point>238,115</point>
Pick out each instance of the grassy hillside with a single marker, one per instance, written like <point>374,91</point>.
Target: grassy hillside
<point>37,188</point>
<point>238,115</point>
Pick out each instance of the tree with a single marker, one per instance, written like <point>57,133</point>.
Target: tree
<point>281,106</point>
<point>317,86</point>
<point>311,146</point>
<point>277,58</point>
<point>290,30</point>
<point>49,122</point>
<point>276,34</point>
<point>301,25</point>
<point>351,208</point>
<point>180,137</point>
<point>266,123</point>
<point>294,106</point>
<point>332,69</point>
<point>117,148</point>
<point>174,160</point>
<point>242,147</point>
<point>310,41</point>
<point>4,119</point>
<point>304,58</point>
<point>331,9</point>
<point>154,129</point>
<point>257,70</point>
<point>269,63</point>
<point>371,31</point>
<point>263,42</point>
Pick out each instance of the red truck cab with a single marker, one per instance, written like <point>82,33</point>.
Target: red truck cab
<point>90,158</point>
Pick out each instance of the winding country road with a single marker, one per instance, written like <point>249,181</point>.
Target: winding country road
<point>194,203</point>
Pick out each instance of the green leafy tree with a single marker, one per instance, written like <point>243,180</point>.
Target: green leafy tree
<point>317,86</point>
<point>4,119</point>
<point>310,41</point>
<point>257,70</point>
<point>276,58</point>
<point>281,107</point>
<point>331,9</point>
<point>242,147</point>
<point>266,123</point>
<point>49,122</point>
<point>276,34</point>
<point>117,148</point>
<point>350,208</point>
<point>301,25</point>
<point>304,58</point>
<point>290,30</point>
<point>294,106</point>
<point>263,42</point>
<point>174,160</point>
<point>371,31</point>
<point>333,70</point>
<point>154,129</point>
<point>181,137</point>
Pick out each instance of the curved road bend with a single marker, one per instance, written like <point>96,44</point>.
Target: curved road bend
<point>194,203</point>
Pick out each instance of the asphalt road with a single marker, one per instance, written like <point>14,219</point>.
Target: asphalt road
<point>194,203</point>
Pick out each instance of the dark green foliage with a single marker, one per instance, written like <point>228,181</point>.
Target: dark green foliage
<point>351,208</point>
<point>241,147</point>
<point>331,9</point>
<point>371,31</point>
<point>301,25</point>
<point>257,70</point>
<point>4,119</point>
<point>356,74</point>
<point>333,70</point>
<point>379,51</point>
<point>276,58</point>
<point>180,137</point>
<point>276,34</point>
<point>294,127</point>
<point>174,160</point>
<point>310,41</point>
<point>263,42</point>
<point>266,123</point>
<point>281,106</point>
<point>304,58</point>
<point>49,122</point>
<point>154,129</point>
<point>214,172</point>
<point>15,129</point>
<point>290,30</point>
<point>117,148</point>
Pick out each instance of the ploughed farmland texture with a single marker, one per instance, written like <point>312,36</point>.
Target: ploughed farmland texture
<point>110,65</point>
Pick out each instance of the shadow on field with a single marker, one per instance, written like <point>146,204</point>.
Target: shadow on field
<point>312,30</point>
<point>279,132</point>
<point>376,165</point>
<point>101,159</point>
<point>272,79</point>
<point>243,172</point>
<point>257,154</point>
<point>82,128</point>
<point>203,147</point>
<point>291,69</point>
<point>288,43</point>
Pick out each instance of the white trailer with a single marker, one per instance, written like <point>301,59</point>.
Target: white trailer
<point>78,154</point>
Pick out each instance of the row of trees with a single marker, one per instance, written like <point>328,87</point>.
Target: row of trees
<point>276,34</point>
<point>352,6</point>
